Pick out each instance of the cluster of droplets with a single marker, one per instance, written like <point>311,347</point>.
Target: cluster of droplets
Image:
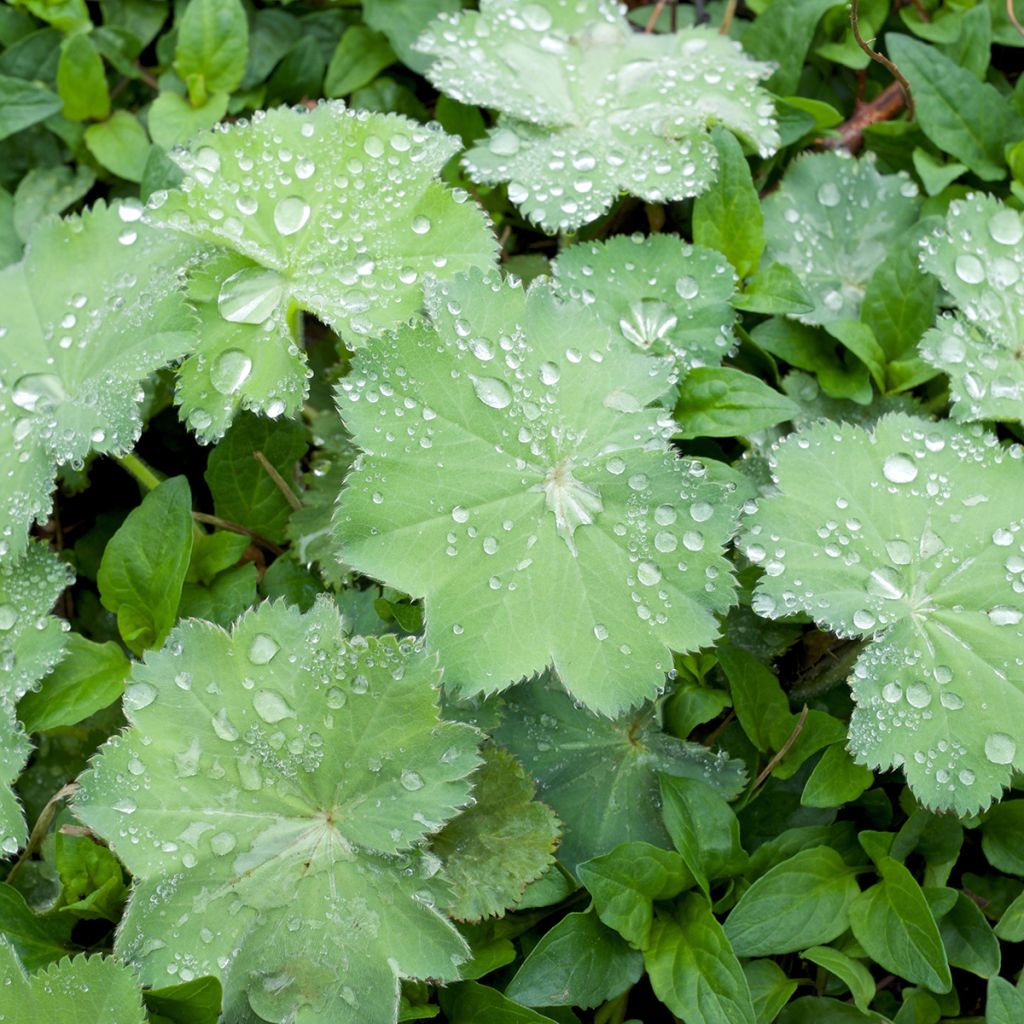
<point>832,221</point>
<point>978,257</point>
<point>567,150</point>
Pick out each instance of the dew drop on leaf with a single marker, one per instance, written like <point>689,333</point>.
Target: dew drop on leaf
<point>1000,748</point>
<point>250,296</point>
<point>37,391</point>
<point>271,706</point>
<point>492,392</point>
<point>230,371</point>
<point>411,780</point>
<point>263,649</point>
<point>291,215</point>
<point>969,269</point>
<point>899,468</point>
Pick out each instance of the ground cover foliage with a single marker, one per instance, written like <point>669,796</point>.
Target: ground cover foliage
<point>511,513</point>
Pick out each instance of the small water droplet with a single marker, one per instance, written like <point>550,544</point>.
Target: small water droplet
<point>863,619</point>
<point>601,632</point>
<point>411,780</point>
<point>648,574</point>
<point>420,225</point>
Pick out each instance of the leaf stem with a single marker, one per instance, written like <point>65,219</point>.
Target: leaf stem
<point>781,752</point>
<point>134,466</point>
<point>41,827</point>
<point>227,524</point>
<point>880,58</point>
<point>279,481</point>
<point>1012,15</point>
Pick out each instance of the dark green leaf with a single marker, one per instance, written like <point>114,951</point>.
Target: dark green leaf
<point>120,145</point>
<point>362,54</point>
<point>853,974</point>
<point>24,103</point>
<point>722,402</point>
<point>770,989</point>
<point>470,1003</point>
<point>1001,833</point>
<point>1004,1003</point>
<point>37,940</point>
<point>836,779</point>
<point>774,289</point>
<point>968,938</point>
<point>212,47</point>
<point>192,1002</point>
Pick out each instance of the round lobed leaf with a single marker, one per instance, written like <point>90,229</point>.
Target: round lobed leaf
<point>515,477</point>
<point>909,536</point>
<point>272,798</point>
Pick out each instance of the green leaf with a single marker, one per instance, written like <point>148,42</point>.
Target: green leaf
<point>1011,923</point>
<point>79,991</point>
<point>968,119</point>
<point>92,880</point>
<point>82,80</point>
<point>360,56</point>
<point>1000,837</point>
<point>144,565</point>
<point>703,828</point>
<point>212,47</point>
<point>633,109</point>
<point>120,144</point>
<point>291,223</point>
<point>90,677</point>
<point>245,820</point>
<point>728,216</point>
<point>926,574</point>
<point>1004,1004</point>
<point>23,104</point>
<point>770,989</point>
<point>966,936</point>
<point>693,969</point>
<point>853,974</point>
<point>774,289</point>
<point>579,962</point>
<point>493,850</point>
<point>47,190</point>
<point>977,257</point>
<point>935,175</point>
<point>894,924</point>
<point>173,121</point>
<point>402,21</point>
<point>819,1010</point>
<point>36,940</point>
<point>660,294</point>
<point>805,899</point>
<point>625,882</point>
<point>470,1003</point>
<point>724,402</point>
<point>832,221</point>
<point>558,512</point>
<point>835,780</point>
<point>608,792</point>
<point>89,312</point>
<point>243,491</point>
<point>192,1002</point>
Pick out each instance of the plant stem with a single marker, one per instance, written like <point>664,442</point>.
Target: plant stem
<point>134,466</point>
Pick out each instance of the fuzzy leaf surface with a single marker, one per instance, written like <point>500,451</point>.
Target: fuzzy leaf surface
<point>662,295</point>
<point>909,536</point>
<point>514,475</point>
<point>80,327</point>
<point>979,258</point>
<point>832,221</point>
<point>281,780</point>
<point>333,211</point>
<point>589,108</point>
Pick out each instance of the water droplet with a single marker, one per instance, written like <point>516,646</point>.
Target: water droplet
<point>665,542</point>
<point>250,296</point>
<point>411,780</point>
<point>138,696</point>
<point>828,194</point>
<point>537,17</point>
<point>918,695</point>
<point>420,225</point>
<point>230,371</point>
<point>863,619</point>
<point>886,582</point>
<point>1000,748</point>
<point>460,514</point>
<point>899,551</point>
<point>687,288</point>
<point>222,843</point>
<point>336,697</point>
<point>892,693</point>
<point>701,511</point>
<point>601,632</point>
<point>951,701</point>
<point>1002,615</point>
<point>1005,227</point>
<point>899,468</point>
<point>37,391</point>
<point>223,726</point>
<point>271,706</point>
<point>262,649</point>
<point>492,392</point>
<point>969,269</point>
<point>291,215</point>
<point>8,617</point>
<point>648,574</point>
<point>549,373</point>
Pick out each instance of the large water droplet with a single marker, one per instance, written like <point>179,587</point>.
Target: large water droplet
<point>37,391</point>
<point>138,695</point>
<point>828,194</point>
<point>411,780</point>
<point>223,726</point>
<point>1005,227</point>
<point>648,574</point>
<point>291,215</point>
<point>230,371</point>
<point>8,617</point>
<point>1002,615</point>
<point>863,619</point>
<point>271,706</point>
<point>1000,748</point>
<point>886,582</point>
<point>899,468</point>
<point>918,695</point>
<point>250,296</point>
<point>492,392</point>
<point>969,269</point>
<point>263,649</point>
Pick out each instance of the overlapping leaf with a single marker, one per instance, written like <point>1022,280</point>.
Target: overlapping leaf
<point>589,108</point>
<point>332,211</point>
<point>514,476</point>
<point>832,221</point>
<point>909,536</point>
<point>601,776</point>
<point>82,990</point>
<point>31,643</point>
<point>271,798</point>
<point>663,295</point>
<point>94,306</point>
<point>979,258</point>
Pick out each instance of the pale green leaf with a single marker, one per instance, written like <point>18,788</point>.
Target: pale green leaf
<point>660,294</point>
<point>271,798</point>
<point>832,221</point>
<point>608,792</point>
<point>79,991</point>
<point>360,56</point>
<point>589,108</point>
<point>515,477</point>
<point>332,211</point>
<point>979,259</point>
<point>402,21</point>
<point>93,307</point>
<point>723,402</point>
<point>120,144</point>
<point>82,80</point>
<point>909,537</point>
<point>173,121</point>
<point>493,850</point>
<point>212,46</point>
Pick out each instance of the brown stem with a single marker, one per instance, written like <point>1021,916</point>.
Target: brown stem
<point>227,524</point>
<point>279,481</point>
<point>145,76</point>
<point>655,15</point>
<point>41,827</point>
<point>880,58</point>
<point>1012,15</point>
<point>781,752</point>
<point>883,107</point>
<point>730,13</point>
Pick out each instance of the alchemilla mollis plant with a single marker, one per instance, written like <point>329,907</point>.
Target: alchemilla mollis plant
<point>511,511</point>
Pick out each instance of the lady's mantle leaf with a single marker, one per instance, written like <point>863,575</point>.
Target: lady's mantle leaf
<point>979,258</point>
<point>832,221</point>
<point>31,643</point>
<point>506,840</point>
<point>277,785</point>
<point>663,295</point>
<point>333,211</point>
<point>591,108</point>
<point>79,991</point>
<point>92,308</point>
<point>911,536</point>
<point>515,477</point>
<point>601,777</point>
